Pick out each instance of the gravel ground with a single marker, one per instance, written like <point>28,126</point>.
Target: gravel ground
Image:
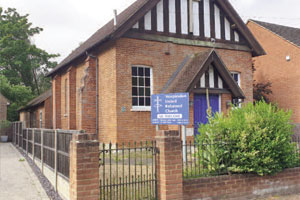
<point>287,197</point>
<point>49,189</point>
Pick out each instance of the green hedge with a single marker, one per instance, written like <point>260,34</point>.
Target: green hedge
<point>260,135</point>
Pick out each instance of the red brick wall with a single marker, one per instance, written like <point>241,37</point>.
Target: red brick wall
<point>84,167</point>
<point>242,186</point>
<point>117,122</point>
<point>48,110</point>
<point>80,81</point>
<point>133,126</point>
<point>80,110</point>
<point>56,90</point>
<point>47,114</point>
<point>273,67</point>
<point>72,97</point>
<point>107,96</point>
<point>169,165</point>
<point>36,112</point>
<point>88,101</point>
<point>65,100</point>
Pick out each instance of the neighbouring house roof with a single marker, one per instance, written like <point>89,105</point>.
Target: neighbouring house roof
<point>131,15</point>
<point>290,34</point>
<point>37,101</point>
<point>193,67</point>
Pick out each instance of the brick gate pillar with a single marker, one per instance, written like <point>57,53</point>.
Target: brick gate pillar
<point>84,167</point>
<point>169,168</point>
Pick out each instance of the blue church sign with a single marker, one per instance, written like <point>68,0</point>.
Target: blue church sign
<point>170,109</point>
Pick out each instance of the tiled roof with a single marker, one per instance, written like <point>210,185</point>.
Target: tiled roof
<point>181,79</point>
<point>139,8</point>
<point>195,66</point>
<point>288,33</point>
<point>102,34</point>
<point>38,100</point>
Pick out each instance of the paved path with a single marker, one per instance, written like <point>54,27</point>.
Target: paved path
<point>288,197</point>
<point>17,180</point>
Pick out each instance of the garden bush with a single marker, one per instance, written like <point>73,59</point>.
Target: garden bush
<point>4,125</point>
<point>259,137</point>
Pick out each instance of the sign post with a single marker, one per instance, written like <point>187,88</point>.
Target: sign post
<point>171,109</point>
<point>184,143</point>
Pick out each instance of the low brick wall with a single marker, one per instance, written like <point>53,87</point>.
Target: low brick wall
<point>242,186</point>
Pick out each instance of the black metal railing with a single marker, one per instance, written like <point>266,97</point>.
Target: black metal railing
<point>128,172</point>
<point>213,158</point>
<point>202,159</point>
<point>296,141</point>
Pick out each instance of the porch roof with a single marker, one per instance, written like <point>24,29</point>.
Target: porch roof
<point>193,67</point>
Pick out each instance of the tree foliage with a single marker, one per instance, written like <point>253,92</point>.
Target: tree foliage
<point>22,62</point>
<point>261,91</point>
<point>18,95</point>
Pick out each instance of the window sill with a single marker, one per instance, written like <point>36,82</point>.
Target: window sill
<point>141,109</point>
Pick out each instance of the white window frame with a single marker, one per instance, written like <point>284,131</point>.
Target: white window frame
<point>239,77</point>
<point>239,84</point>
<point>143,108</point>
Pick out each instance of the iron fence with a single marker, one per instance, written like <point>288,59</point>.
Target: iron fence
<point>212,158</point>
<point>128,172</point>
<point>202,159</point>
<point>296,141</point>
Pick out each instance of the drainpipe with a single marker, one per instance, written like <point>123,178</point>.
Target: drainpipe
<point>97,92</point>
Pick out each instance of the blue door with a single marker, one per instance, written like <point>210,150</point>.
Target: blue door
<point>200,109</point>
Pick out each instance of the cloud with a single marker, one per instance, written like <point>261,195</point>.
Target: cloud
<point>275,11</point>
<point>66,23</point>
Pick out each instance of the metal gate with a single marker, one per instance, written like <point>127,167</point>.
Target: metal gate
<point>128,172</point>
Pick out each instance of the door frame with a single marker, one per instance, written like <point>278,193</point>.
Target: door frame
<point>220,103</point>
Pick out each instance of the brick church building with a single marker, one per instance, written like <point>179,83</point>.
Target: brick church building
<point>154,46</point>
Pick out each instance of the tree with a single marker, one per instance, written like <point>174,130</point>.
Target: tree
<point>18,95</point>
<point>261,90</point>
<point>22,62</point>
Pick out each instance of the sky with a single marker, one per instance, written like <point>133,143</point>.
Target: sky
<point>67,23</point>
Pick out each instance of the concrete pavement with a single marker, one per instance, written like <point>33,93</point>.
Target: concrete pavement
<point>17,180</point>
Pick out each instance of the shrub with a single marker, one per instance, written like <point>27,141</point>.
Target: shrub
<point>4,125</point>
<point>260,138</point>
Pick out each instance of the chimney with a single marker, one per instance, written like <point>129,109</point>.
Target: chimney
<point>115,17</point>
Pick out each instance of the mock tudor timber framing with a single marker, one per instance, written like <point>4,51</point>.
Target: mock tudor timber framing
<point>186,78</point>
<point>140,8</point>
